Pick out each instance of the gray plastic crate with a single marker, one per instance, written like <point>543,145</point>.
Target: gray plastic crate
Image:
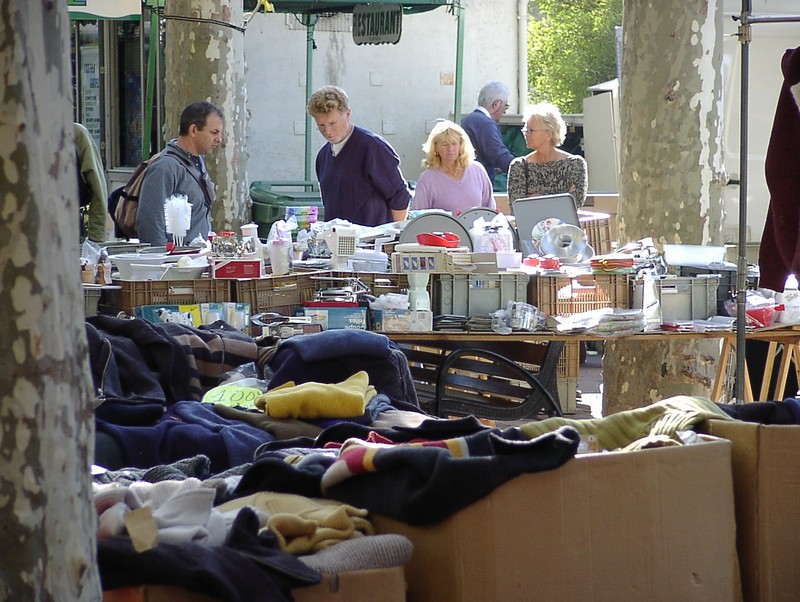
<point>476,294</point>
<point>682,298</point>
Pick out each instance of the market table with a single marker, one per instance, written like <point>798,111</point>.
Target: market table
<point>781,336</point>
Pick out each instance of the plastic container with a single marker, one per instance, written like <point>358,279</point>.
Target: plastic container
<point>696,255</point>
<point>682,298</point>
<point>280,257</point>
<point>727,282</point>
<point>124,262</point>
<point>476,294</point>
<point>791,302</point>
<point>272,199</point>
<point>561,295</point>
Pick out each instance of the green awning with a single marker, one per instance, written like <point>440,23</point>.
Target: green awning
<point>104,9</point>
<point>339,6</point>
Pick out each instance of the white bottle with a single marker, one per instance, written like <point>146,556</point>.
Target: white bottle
<point>791,301</point>
<point>251,230</point>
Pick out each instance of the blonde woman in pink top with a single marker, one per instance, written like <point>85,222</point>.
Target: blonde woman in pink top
<point>453,180</point>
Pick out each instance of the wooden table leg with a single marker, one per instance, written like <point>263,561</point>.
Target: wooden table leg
<point>727,354</point>
<point>768,365</point>
<point>722,369</point>
<point>783,370</point>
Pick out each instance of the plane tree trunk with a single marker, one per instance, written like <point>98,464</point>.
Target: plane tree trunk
<point>671,175</point>
<point>204,57</point>
<point>47,519</point>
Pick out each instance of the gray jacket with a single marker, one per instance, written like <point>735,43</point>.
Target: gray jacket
<point>172,175</point>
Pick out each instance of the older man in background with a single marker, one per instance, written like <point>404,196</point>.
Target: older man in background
<point>482,127</point>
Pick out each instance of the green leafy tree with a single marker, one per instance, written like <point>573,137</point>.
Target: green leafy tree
<point>571,46</point>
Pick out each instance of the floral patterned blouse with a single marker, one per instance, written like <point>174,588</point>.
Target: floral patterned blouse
<point>555,177</point>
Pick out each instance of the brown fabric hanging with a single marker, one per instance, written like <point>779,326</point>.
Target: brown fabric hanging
<point>779,253</point>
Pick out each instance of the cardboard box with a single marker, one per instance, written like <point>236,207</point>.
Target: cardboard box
<point>606,203</point>
<point>401,320</point>
<point>655,525</point>
<point>338,317</point>
<point>766,482</point>
<point>237,268</point>
<point>375,585</point>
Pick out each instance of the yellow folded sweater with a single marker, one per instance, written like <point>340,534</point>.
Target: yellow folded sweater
<point>347,399</point>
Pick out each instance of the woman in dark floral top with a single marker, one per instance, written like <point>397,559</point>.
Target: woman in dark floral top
<point>546,170</point>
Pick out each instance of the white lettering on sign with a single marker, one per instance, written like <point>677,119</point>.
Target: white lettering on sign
<point>377,24</point>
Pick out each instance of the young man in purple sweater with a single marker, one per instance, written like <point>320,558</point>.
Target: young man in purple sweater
<point>358,171</point>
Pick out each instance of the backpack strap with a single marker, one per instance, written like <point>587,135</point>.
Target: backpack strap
<point>194,172</point>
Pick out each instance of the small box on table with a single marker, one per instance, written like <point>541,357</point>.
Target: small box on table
<point>401,320</point>
<point>229,267</point>
<point>330,318</point>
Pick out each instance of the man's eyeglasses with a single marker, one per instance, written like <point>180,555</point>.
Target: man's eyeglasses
<point>507,106</point>
<point>526,130</point>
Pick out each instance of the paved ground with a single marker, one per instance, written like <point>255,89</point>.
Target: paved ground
<point>590,384</point>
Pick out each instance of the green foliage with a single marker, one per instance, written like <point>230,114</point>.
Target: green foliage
<point>571,46</point>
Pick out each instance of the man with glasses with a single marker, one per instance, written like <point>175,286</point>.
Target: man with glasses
<point>180,169</point>
<point>482,127</point>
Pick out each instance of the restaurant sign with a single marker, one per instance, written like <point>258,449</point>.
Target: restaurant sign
<point>377,23</point>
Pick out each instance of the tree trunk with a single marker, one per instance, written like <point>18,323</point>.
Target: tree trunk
<point>671,173</point>
<point>204,58</point>
<point>671,155</point>
<point>47,518</point>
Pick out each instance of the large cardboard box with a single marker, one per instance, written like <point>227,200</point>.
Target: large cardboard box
<point>374,585</point>
<point>655,525</point>
<point>766,480</point>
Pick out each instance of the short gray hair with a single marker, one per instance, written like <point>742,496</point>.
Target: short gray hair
<point>491,92</point>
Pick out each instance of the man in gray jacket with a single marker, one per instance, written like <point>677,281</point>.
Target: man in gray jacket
<point>180,170</point>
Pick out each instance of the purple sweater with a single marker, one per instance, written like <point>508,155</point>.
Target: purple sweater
<point>363,183</point>
<point>437,190</point>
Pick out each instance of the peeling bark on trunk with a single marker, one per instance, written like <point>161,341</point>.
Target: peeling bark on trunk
<point>205,61</point>
<point>671,174</point>
<point>671,157</point>
<point>47,519</point>
<point>637,374</point>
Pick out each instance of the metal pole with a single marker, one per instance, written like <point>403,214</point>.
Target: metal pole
<point>741,265</point>
<point>459,60</point>
<point>310,23</point>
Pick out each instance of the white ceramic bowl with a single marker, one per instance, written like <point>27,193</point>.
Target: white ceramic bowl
<point>190,272</point>
<point>124,261</point>
<point>147,271</point>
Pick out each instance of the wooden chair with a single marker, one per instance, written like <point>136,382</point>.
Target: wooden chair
<point>485,383</point>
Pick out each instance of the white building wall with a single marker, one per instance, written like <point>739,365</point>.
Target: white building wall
<point>769,42</point>
<point>395,90</point>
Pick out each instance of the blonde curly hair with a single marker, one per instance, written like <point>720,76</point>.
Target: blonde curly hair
<point>447,131</point>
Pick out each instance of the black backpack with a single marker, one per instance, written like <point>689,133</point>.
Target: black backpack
<point>123,202</point>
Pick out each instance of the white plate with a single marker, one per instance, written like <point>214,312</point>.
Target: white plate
<point>470,215</point>
<point>435,222</point>
<point>530,211</point>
